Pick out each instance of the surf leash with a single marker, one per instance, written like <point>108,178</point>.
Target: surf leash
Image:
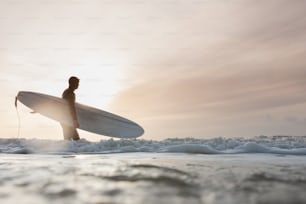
<point>18,116</point>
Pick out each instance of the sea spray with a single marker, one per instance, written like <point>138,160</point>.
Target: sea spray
<point>293,145</point>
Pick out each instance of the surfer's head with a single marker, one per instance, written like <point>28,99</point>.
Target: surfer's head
<point>74,82</point>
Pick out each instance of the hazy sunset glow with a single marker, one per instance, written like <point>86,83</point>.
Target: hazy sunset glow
<point>178,68</point>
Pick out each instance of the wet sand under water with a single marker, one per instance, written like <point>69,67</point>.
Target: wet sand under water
<point>152,178</point>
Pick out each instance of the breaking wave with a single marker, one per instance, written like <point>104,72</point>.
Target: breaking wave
<point>291,145</point>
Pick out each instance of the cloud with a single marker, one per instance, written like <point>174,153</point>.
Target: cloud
<point>243,63</point>
<point>240,92</point>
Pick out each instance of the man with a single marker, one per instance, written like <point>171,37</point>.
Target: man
<point>70,132</point>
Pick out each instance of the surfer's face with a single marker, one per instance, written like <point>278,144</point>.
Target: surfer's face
<point>73,82</point>
<point>74,85</point>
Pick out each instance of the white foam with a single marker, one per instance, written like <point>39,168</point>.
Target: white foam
<point>273,145</point>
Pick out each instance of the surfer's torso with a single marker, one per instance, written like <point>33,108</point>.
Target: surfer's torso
<point>70,132</point>
<point>69,96</point>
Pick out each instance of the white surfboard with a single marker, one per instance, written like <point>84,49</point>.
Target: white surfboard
<point>90,119</point>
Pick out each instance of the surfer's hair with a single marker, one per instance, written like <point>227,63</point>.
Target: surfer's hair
<point>73,80</point>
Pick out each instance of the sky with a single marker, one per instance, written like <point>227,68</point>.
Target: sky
<point>198,68</point>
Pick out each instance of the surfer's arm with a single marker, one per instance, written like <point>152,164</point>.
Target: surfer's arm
<point>74,114</point>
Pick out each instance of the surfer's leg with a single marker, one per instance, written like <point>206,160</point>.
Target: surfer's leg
<point>67,132</point>
<point>75,135</point>
<point>70,133</point>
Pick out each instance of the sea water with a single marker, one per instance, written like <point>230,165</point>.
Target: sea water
<point>220,170</point>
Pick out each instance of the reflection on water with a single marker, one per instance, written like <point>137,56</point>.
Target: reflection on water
<point>152,178</point>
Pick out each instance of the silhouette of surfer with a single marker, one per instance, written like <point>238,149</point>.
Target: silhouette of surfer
<point>70,132</point>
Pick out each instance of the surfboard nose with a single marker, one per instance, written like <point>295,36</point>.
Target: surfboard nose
<point>141,131</point>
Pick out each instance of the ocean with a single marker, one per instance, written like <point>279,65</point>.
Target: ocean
<point>209,171</point>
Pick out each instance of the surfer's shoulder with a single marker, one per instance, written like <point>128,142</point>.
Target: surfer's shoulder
<point>68,94</point>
